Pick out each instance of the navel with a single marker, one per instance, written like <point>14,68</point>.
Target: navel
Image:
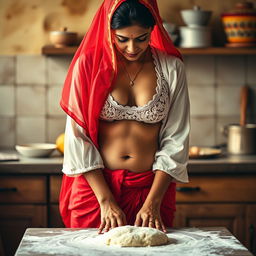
<point>126,157</point>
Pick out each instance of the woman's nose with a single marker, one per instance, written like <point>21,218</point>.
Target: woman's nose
<point>131,46</point>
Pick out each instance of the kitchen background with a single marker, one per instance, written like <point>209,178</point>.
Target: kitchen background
<point>31,83</point>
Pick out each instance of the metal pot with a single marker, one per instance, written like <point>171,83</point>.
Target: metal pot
<point>241,140</point>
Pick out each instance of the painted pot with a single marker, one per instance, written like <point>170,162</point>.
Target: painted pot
<point>240,25</point>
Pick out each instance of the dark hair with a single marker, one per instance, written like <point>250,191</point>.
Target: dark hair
<point>132,12</point>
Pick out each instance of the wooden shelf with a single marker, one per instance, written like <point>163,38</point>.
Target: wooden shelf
<point>51,50</point>
<point>218,51</point>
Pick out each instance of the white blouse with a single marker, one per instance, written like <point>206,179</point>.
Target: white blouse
<point>80,154</point>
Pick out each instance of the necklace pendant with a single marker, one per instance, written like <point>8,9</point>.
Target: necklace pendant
<point>131,83</point>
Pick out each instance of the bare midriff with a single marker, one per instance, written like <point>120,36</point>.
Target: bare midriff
<point>129,145</point>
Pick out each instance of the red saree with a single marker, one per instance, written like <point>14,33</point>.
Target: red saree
<point>83,97</point>
<point>130,191</point>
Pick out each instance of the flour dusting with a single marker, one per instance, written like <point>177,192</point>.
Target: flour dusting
<point>186,242</point>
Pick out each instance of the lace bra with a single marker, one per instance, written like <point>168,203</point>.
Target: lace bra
<point>153,112</point>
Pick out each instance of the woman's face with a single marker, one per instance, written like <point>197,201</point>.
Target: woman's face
<point>131,42</point>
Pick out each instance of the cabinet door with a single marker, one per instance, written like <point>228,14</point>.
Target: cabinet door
<point>55,220</point>
<point>231,216</point>
<point>55,185</point>
<point>15,219</point>
<point>251,228</point>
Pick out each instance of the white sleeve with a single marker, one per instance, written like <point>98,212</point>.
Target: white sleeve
<point>80,154</point>
<point>172,156</point>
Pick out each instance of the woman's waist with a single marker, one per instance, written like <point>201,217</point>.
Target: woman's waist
<point>133,155</point>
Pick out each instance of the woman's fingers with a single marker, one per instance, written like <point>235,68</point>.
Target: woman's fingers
<point>102,226</point>
<point>108,225</point>
<point>145,221</point>
<point>151,223</point>
<point>158,224</point>
<point>113,222</point>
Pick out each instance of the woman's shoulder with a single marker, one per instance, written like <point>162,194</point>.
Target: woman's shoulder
<point>168,62</point>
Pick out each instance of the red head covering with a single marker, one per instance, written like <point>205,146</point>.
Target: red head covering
<point>93,68</point>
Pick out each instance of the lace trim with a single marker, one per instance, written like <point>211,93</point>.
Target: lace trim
<point>152,112</point>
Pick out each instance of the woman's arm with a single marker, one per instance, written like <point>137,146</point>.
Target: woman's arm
<point>149,214</point>
<point>111,215</point>
<point>172,156</point>
<point>82,157</point>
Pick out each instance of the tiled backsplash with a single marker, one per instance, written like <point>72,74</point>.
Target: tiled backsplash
<point>30,89</point>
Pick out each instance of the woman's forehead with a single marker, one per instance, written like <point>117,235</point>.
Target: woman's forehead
<point>132,31</point>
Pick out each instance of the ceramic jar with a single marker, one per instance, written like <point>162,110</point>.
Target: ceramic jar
<point>240,25</point>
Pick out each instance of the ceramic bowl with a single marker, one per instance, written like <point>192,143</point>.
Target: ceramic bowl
<point>63,38</point>
<point>36,149</point>
<point>196,17</point>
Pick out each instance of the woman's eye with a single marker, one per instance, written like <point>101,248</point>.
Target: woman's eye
<point>122,40</point>
<point>142,39</point>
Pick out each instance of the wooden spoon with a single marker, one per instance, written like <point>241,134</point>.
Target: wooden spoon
<point>243,104</point>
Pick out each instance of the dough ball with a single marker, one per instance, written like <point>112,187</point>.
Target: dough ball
<point>130,236</point>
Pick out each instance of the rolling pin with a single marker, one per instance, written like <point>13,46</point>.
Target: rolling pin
<point>243,104</point>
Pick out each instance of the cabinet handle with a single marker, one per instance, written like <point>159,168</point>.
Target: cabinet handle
<point>188,189</point>
<point>8,189</point>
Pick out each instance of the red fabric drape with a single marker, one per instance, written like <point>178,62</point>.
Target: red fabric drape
<point>130,190</point>
<point>85,91</point>
<point>93,71</point>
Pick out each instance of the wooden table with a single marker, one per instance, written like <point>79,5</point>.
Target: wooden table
<point>63,241</point>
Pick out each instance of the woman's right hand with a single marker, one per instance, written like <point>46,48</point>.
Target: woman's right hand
<point>111,216</point>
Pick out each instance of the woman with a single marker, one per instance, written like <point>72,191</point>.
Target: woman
<point>126,138</point>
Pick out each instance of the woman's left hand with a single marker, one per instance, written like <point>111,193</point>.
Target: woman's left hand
<point>149,216</point>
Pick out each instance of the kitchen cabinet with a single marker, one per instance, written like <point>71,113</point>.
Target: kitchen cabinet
<point>221,192</point>
<point>54,216</point>
<point>219,200</point>
<point>22,205</point>
<point>250,241</point>
<point>15,219</point>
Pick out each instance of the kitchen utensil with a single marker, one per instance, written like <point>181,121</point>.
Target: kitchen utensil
<point>196,34</point>
<point>36,149</point>
<point>195,37</point>
<point>8,157</point>
<point>195,17</point>
<point>63,38</point>
<point>241,138</point>
<point>243,104</point>
<point>196,152</point>
<point>240,25</point>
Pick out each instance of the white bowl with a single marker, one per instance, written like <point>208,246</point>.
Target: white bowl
<point>36,149</point>
<point>196,17</point>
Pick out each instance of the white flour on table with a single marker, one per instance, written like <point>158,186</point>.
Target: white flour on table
<point>185,242</point>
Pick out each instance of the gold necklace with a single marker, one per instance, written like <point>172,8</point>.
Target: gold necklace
<point>136,75</point>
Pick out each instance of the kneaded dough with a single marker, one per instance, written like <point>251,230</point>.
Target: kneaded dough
<point>130,236</point>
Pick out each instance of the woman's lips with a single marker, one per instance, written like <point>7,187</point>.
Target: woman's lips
<point>132,55</point>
